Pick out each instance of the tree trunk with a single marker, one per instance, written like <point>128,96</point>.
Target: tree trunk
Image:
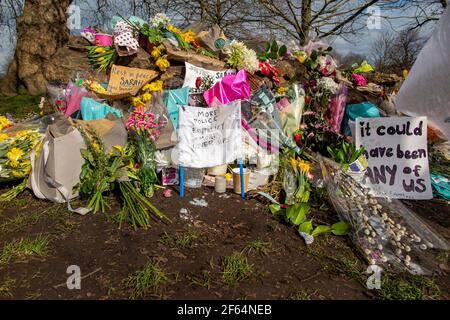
<point>41,30</point>
<point>306,20</point>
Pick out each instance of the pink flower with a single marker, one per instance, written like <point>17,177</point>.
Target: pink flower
<point>359,80</point>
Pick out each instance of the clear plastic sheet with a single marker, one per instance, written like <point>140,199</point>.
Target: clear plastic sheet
<point>383,229</point>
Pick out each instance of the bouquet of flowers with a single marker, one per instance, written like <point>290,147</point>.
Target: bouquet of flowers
<point>241,57</point>
<point>15,154</point>
<point>147,128</point>
<point>101,173</point>
<point>101,57</point>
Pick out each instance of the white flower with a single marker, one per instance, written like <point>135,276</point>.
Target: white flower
<point>328,84</point>
<point>160,20</point>
<point>241,57</point>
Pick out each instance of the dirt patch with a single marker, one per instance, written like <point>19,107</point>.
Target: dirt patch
<point>189,252</point>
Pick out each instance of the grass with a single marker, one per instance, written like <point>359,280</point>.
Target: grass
<point>259,246</point>
<point>411,288</point>
<point>146,282</point>
<point>20,249</point>
<point>301,295</point>
<point>202,281</point>
<point>19,221</point>
<point>180,240</point>
<point>21,106</point>
<point>6,287</point>
<point>236,268</point>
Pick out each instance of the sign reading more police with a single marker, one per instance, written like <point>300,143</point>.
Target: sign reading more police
<point>396,149</point>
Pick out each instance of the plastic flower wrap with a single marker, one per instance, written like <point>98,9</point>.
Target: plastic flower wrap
<point>326,65</point>
<point>160,20</point>
<point>383,229</point>
<point>241,57</point>
<point>147,127</point>
<point>15,154</point>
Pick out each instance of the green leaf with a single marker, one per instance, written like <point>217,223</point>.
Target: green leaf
<point>297,213</point>
<point>306,227</point>
<point>273,55</point>
<point>274,47</point>
<point>268,47</point>
<point>340,228</point>
<point>320,230</point>
<point>282,51</point>
<point>275,208</point>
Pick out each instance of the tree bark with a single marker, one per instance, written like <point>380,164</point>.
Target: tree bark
<point>306,20</point>
<point>41,31</point>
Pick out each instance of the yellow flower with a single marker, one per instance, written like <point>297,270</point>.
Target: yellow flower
<point>282,90</point>
<point>228,176</point>
<point>154,86</point>
<point>162,63</point>
<point>3,137</point>
<point>146,97</point>
<point>101,59</point>
<point>5,123</point>
<point>156,53</point>
<point>14,154</point>
<point>137,102</point>
<point>405,73</point>
<point>301,56</point>
<point>300,165</point>
<point>100,50</point>
<point>17,174</point>
<point>304,166</point>
<point>189,36</point>
<point>96,147</point>
<point>13,163</point>
<point>118,148</point>
<point>173,29</point>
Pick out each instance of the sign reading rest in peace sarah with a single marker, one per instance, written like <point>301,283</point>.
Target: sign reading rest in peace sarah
<point>396,149</point>
<point>129,80</point>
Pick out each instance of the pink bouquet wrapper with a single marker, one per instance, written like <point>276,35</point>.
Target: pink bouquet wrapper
<point>336,108</point>
<point>232,87</point>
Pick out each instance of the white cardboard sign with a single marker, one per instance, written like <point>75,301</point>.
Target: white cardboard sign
<point>193,72</point>
<point>396,149</point>
<point>209,136</point>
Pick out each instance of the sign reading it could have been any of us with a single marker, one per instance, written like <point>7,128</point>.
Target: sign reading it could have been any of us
<point>396,149</point>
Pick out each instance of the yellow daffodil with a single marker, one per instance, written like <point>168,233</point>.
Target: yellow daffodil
<point>300,165</point>
<point>137,102</point>
<point>282,90</point>
<point>17,174</point>
<point>157,52</point>
<point>96,147</point>
<point>162,63</point>
<point>100,50</point>
<point>13,163</point>
<point>118,148</point>
<point>146,97</point>
<point>189,36</point>
<point>173,29</point>
<point>405,73</point>
<point>228,176</point>
<point>301,56</point>
<point>101,59</point>
<point>14,154</point>
<point>5,123</point>
<point>3,137</point>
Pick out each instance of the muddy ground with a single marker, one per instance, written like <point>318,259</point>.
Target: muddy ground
<point>189,254</point>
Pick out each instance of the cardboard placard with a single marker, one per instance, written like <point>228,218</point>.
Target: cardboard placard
<point>124,80</point>
<point>209,137</point>
<point>193,72</point>
<point>396,149</point>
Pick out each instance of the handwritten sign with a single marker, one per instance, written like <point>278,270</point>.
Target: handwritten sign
<point>209,136</point>
<point>396,149</point>
<point>193,72</point>
<point>129,80</point>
